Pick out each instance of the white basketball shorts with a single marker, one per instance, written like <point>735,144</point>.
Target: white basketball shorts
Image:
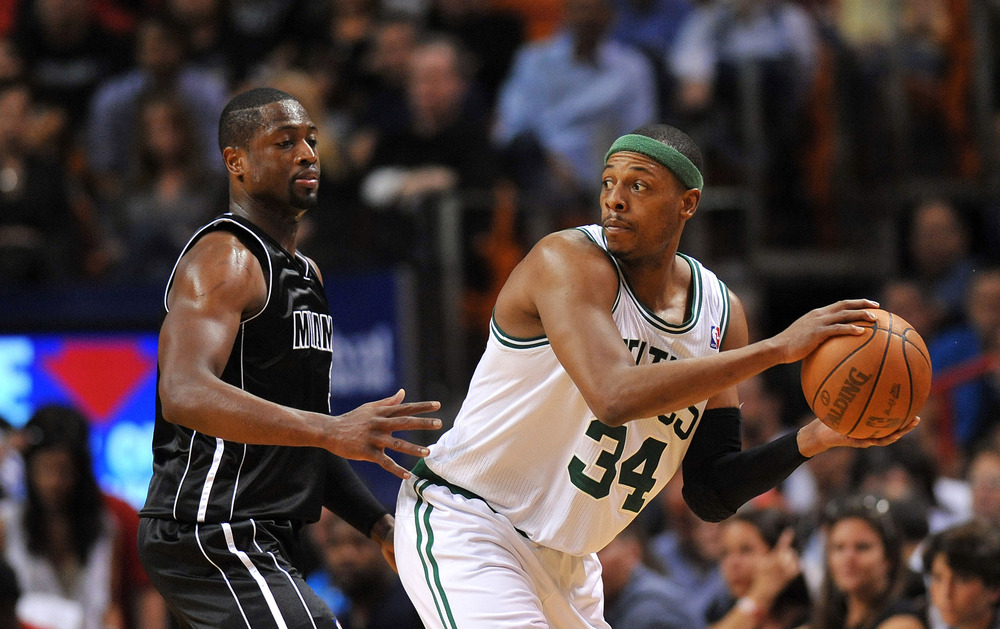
<point>467,567</point>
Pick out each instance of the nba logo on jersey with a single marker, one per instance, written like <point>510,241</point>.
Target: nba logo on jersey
<point>716,337</point>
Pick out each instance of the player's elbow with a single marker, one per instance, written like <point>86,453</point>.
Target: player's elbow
<point>611,410</point>
<point>705,502</point>
<point>177,396</point>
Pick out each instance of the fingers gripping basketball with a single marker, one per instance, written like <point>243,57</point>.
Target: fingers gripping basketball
<point>871,384</point>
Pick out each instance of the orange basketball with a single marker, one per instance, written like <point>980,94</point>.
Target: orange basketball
<point>871,384</point>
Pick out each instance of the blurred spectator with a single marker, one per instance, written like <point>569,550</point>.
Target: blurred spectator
<point>651,26</point>
<point>142,605</point>
<point>865,573</point>
<point>688,549</point>
<point>963,569</point>
<point>439,152</point>
<point>67,53</point>
<point>206,35</point>
<point>491,35</point>
<point>763,574</point>
<point>636,596</point>
<point>161,65</point>
<point>939,256</point>
<point>42,232</point>
<point>565,101</point>
<point>169,191</point>
<point>984,482</point>
<point>366,593</point>
<point>905,471</point>
<point>380,100</point>
<point>61,539</point>
<point>966,367</point>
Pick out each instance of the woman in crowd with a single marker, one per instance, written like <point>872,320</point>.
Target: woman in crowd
<point>761,568</point>
<point>60,539</point>
<point>865,574</point>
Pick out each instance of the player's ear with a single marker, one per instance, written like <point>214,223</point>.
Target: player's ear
<point>235,160</point>
<point>689,203</point>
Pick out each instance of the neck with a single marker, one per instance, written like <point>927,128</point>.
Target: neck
<point>661,284</point>
<point>281,227</point>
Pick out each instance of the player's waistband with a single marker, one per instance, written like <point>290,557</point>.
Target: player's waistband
<point>420,469</point>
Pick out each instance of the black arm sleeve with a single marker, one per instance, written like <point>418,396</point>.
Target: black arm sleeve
<point>719,476</point>
<point>346,494</point>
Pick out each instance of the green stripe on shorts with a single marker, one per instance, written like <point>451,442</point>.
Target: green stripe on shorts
<point>427,557</point>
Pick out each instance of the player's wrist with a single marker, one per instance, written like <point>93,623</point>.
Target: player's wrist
<point>808,442</point>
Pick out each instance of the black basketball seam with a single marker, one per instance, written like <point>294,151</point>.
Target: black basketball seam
<point>847,357</point>
<point>926,357</point>
<point>909,375</point>
<point>878,374</point>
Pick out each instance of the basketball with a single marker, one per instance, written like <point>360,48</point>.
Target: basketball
<point>869,385</point>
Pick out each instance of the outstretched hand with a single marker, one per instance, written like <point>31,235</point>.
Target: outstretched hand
<point>816,437</point>
<point>365,433</point>
<point>808,331</point>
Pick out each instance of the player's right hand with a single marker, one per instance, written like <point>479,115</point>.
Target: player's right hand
<point>807,333</point>
<point>365,433</point>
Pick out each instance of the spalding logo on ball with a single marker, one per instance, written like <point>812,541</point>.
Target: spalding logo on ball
<point>869,385</point>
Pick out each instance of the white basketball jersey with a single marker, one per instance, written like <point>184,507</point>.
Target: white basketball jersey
<point>526,442</point>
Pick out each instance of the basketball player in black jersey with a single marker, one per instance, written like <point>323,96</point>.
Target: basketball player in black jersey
<point>244,448</point>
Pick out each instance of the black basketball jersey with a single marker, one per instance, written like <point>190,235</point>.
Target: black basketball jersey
<point>283,354</point>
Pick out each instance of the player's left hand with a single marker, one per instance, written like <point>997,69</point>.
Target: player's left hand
<point>382,534</point>
<point>816,437</point>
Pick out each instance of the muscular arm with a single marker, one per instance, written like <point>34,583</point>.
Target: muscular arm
<point>217,283</point>
<point>564,289</point>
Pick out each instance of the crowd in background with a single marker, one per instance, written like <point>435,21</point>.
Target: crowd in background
<point>836,115</point>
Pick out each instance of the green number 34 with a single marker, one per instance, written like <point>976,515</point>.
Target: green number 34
<point>636,471</point>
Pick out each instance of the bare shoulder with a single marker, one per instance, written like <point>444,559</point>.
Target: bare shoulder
<point>220,267</point>
<point>566,266</point>
<point>570,250</point>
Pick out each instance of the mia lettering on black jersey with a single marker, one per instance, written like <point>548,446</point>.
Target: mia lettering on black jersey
<point>312,330</point>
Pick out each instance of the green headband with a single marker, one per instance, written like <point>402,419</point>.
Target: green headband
<point>669,157</point>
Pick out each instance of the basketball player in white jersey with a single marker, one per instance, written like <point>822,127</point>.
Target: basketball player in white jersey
<point>567,432</point>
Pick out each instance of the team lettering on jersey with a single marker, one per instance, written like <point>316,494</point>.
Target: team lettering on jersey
<point>312,330</point>
<point>641,349</point>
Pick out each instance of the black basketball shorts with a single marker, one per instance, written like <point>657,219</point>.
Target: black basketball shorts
<point>230,575</point>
